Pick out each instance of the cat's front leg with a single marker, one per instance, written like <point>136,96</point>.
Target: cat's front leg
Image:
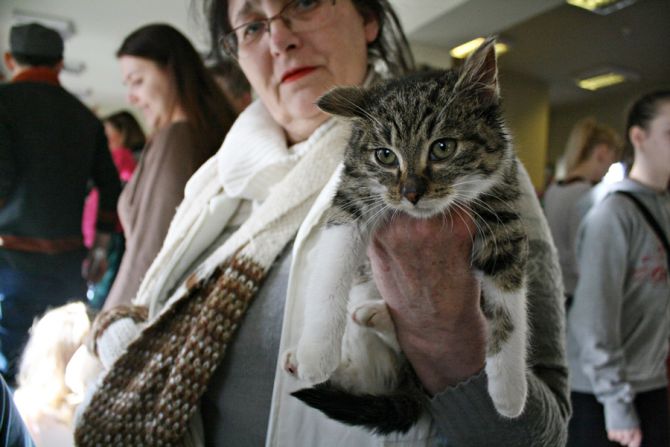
<point>338,249</point>
<point>506,350</point>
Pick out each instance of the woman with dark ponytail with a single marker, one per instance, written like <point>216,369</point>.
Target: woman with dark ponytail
<point>619,325</point>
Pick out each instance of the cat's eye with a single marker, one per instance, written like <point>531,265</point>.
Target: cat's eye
<point>386,157</point>
<point>440,149</point>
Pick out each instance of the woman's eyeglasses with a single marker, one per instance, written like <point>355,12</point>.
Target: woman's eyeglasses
<point>297,15</point>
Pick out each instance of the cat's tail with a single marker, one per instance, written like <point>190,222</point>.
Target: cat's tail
<point>384,414</point>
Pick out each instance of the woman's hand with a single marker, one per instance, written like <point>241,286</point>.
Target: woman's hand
<point>422,269</point>
<point>629,438</point>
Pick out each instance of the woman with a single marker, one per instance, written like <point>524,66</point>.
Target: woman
<point>189,117</point>
<point>590,150</point>
<point>619,325</point>
<point>279,163</point>
<point>123,130</point>
<point>123,133</point>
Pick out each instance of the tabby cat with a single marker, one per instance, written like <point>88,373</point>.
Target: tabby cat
<point>423,145</point>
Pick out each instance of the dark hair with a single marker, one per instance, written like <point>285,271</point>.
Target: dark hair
<point>391,45</point>
<point>205,106</point>
<point>233,76</point>
<point>642,112</point>
<point>36,61</point>
<point>645,108</point>
<point>125,122</point>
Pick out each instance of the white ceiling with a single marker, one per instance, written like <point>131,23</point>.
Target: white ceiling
<point>550,40</point>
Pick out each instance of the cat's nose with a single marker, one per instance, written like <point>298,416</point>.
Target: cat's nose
<point>412,196</point>
<point>413,189</point>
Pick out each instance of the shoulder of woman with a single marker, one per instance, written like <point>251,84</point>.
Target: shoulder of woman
<point>180,130</point>
<point>613,210</point>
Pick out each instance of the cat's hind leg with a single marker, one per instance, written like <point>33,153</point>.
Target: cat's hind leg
<point>506,349</point>
<point>368,309</point>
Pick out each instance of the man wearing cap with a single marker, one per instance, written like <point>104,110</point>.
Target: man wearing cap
<point>51,145</point>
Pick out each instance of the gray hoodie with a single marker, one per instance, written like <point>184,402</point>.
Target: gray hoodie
<point>619,324</point>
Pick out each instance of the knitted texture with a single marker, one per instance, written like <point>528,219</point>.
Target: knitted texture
<point>154,388</point>
<point>136,314</point>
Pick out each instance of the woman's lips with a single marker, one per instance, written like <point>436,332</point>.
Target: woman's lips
<point>294,75</point>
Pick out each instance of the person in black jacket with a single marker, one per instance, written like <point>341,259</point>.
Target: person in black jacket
<point>51,146</point>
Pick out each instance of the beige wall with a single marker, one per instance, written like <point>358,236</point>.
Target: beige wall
<point>526,107</point>
<point>436,57</point>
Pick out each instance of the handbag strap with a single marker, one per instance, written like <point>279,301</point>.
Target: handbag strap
<point>651,221</point>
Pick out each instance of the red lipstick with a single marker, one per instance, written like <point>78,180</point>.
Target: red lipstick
<point>294,75</point>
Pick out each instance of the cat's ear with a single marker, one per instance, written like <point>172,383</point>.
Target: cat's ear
<point>479,73</point>
<point>343,101</point>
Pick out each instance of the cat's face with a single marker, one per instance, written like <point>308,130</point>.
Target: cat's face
<point>427,142</point>
<point>423,147</point>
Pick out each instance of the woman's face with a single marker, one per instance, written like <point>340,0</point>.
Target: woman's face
<point>114,137</point>
<point>290,71</point>
<point>655,140</point>
<point>149,89</point>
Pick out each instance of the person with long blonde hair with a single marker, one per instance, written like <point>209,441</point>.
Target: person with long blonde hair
<point>590,150</point>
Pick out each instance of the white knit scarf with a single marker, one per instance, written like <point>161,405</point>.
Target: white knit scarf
<point>158,372</point>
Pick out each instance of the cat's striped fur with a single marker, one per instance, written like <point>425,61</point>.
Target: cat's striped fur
<point>423,145</point>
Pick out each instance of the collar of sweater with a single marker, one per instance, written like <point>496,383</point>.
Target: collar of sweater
<point>45,75</point>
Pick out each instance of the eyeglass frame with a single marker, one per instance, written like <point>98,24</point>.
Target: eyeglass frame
<point>223,40</point>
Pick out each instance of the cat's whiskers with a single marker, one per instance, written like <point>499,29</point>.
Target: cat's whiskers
<point>465,209</point>
<point>365,200</point>
<point>482,204</point>
<point>365,112</point>
<point>446,213</point>
<point>378,209</point>
<point>502,201</point>
<point>478,220</point>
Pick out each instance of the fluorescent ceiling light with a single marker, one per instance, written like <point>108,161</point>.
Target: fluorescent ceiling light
<point>602,7</point>
<point>603,79</point>
<point>462,51</point>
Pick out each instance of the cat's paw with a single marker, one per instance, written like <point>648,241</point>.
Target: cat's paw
<point>373,315</point>
<point>314,364</point>
<point>509,395</point>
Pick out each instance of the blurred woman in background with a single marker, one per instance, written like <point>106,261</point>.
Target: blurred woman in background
<point>123,130</point>
<point>188,115</point>
<point>590,151</point>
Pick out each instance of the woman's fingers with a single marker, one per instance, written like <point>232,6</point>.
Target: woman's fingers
<point>629,438</point>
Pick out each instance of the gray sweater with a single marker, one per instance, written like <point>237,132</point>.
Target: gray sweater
<point>565,205</point>
<point>619,324</point>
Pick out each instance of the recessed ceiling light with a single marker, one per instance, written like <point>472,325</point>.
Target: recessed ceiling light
<point>602,7</point>
<point>462,51</point>
<point>605,78</point>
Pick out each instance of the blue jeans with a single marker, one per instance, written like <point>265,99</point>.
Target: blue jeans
<point>13,431</point>
<point>25,296</point>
